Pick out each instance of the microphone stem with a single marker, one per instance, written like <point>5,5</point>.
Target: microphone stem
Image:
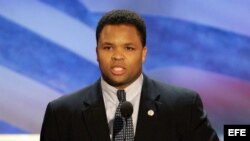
<point>124,131</point>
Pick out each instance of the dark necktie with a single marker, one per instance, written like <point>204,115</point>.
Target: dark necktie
<point>122,128</point>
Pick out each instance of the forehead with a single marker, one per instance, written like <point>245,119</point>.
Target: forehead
<point>120,34</point>
<point>118,30</point>
<point>119,27</point>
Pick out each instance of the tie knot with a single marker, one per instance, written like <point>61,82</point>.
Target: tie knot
<point>121,94</point>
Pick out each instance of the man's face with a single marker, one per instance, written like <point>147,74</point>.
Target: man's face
<point>120,54</point>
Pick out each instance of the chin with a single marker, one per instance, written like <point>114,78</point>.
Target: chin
<point>117,82</point>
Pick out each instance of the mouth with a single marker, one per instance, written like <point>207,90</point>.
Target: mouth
<point>117,70</point>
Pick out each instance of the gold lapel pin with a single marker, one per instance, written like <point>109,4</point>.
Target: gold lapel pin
<point>151,113</point>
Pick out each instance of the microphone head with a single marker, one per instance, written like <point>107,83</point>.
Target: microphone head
<point>126,109</point>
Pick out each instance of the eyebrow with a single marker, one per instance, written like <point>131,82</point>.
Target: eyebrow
<point>107,43</point>
<point>129,44</point>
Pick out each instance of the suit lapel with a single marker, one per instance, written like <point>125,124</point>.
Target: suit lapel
<point>147,123</point>
<point>94,114</point>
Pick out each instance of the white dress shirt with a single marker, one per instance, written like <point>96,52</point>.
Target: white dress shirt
<point>111,102</point>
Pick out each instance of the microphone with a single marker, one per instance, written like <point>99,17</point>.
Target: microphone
<point>126,109</point>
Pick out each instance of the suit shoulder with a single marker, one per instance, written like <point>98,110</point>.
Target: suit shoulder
<point>72,100</point>
<point>174,94</point>
<point>178,100</point>
<point>172,89</point>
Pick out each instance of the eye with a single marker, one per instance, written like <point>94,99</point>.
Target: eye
<point>129,48</point>
<point>107,47</point>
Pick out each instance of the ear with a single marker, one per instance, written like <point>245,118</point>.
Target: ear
<point>144,54</point>
<point>97,56</point>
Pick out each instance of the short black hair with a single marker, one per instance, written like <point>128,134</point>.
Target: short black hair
<point>117,17</point>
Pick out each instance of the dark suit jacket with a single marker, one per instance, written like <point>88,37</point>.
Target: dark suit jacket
<point>81,116</point>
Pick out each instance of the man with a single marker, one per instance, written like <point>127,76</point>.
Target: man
<point>161,112</point>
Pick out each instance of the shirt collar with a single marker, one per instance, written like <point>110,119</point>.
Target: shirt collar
<point>131,90</point>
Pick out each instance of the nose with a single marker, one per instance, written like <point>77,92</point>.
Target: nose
<point>118,55</point>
